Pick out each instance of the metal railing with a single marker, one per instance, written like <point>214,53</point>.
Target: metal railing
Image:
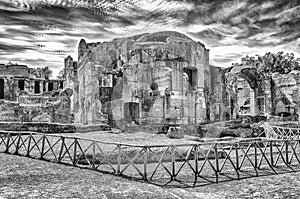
<point>185,164</point>
<point>280,132</point>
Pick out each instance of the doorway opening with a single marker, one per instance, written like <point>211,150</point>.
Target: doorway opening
<point>1,88</point>
<point>131,112</point>
<point>21,85</point>
<point>192,75</point>
<point>36,87</point>
<point>50,86</point>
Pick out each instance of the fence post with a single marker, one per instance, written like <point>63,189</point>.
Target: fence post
<point>94,154</point>
<point>287,152</point>
<point>7,143</point>
<point>28,147</point>
<point>237,160</point>
<point>271,153</point>
<point>217,162</point>
<point>196,164</point>
<point>18,143</point>
<point>145,162</point>
<point>61,148</point>
<point>119,159</point>
<point>75,152</point>
<point>173,163</point>
<point>43,146</point>
<point>255,155</point>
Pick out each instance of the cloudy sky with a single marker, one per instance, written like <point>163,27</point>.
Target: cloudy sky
<point>42,33</point>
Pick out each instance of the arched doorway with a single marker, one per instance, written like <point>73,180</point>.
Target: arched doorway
<point>246,92</point>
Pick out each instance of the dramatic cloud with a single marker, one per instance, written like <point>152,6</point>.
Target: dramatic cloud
<point>42,33</point>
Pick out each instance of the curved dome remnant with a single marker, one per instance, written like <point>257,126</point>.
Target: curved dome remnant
<point>163,36</point>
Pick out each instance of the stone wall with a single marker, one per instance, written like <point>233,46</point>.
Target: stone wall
<point>69,72</point>
<point>58,111</point>
<point>286,101</point>
<point>14,70</point>
<point>38,127</point>
<point>17,79</point>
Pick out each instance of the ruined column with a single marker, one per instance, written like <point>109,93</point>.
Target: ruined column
<point>268,100</point>
<point>41,86</point>
<point>253,102</point>
<point>55,85</point>
<point>46,86</point>
<point>31,86</point>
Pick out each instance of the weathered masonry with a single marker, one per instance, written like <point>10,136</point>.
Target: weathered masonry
<point>166,77</point>
<point>148,78</point>
<point>28,95</point>
<point>248,94</point>
<point>17,81</point>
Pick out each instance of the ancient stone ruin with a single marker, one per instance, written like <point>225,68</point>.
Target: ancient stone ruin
<point>144,79</point>
<point>165,77</point>
<point>250,94</point>
<point>147,79</point>
<point>28,95</point>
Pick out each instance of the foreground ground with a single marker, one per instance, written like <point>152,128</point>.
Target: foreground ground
<point>22,177</point>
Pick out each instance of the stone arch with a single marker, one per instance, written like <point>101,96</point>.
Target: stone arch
<point>252,89</point>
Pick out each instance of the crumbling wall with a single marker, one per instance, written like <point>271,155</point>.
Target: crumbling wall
<point>14,70</point>
<point>52,111</point>
<point>9,111</point>
<point>38,127</point>
<point>287,92</point>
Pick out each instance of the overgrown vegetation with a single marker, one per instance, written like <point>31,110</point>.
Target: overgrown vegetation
<point>266,65</point>
<point>272,63</point>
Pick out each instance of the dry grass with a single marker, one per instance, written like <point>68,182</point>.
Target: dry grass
<point>139,138</point>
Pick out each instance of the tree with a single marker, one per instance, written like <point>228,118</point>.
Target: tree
<point>47,72</point>
<point>61,74</point>
<point>272,63</point>
<point>42,72</point>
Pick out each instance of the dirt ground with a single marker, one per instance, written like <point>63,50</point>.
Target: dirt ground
<point>22,177</point>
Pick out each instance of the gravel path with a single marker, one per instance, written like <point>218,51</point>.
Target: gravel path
<point>22,177</point>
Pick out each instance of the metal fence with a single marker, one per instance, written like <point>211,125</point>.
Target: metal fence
<point>281,132</point>
<point>185,165</point>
